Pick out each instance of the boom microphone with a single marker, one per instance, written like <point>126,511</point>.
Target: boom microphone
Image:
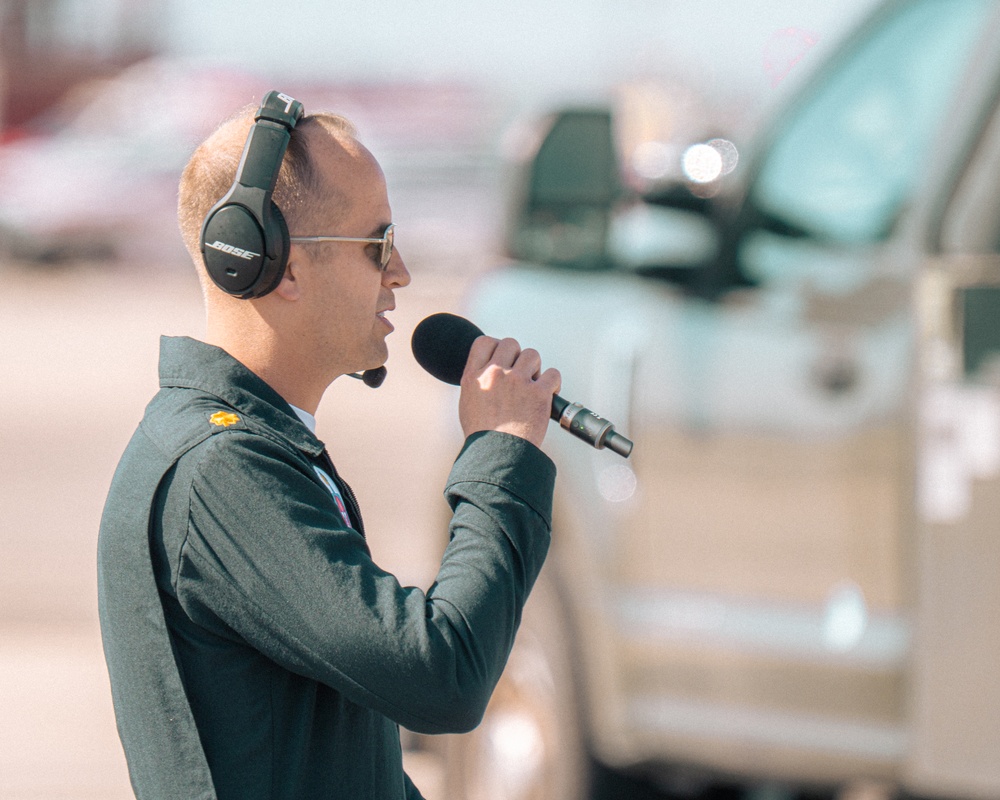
<point>441,345</point>
<point>372,377</point>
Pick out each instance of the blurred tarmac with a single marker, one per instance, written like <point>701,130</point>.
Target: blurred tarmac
<point>78,362</point>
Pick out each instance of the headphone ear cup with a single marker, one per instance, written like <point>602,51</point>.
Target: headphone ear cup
<point>233,248</point>
<point>274,271</point>
<point>244,271</point>
<point>245,225</point>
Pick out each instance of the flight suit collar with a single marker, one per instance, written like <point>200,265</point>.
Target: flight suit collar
<point>190,364</point>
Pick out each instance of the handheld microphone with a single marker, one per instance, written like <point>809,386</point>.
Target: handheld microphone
<point>441,345</point>
<point>370,377</point>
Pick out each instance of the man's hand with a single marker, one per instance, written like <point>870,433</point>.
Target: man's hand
<point>503,389</point>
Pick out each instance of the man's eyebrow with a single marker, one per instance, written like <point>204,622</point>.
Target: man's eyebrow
<point>378,232</point>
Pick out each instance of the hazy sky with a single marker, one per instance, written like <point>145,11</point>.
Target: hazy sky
<point>532,49</point>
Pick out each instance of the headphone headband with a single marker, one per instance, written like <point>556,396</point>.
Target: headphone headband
<point>244,239</point>
<point>280,108</point>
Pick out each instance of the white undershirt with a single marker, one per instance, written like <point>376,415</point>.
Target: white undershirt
<point>307,419</point>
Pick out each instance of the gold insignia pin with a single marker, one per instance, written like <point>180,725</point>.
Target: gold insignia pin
<point>223,419</point>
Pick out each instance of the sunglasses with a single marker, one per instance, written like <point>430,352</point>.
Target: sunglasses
<point>385,252</point>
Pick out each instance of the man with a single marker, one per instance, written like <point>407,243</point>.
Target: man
<point>254,648</point>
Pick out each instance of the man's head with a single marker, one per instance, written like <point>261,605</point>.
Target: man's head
<point>325,314</point>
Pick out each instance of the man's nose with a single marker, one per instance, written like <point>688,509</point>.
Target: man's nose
<point>396,274</point>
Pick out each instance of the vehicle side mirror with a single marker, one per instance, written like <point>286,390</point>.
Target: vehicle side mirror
<point>561,210</point>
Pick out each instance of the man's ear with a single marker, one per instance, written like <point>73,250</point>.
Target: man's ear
<point>290,287</point>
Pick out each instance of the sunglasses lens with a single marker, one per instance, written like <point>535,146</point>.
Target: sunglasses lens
<point>387,246</point>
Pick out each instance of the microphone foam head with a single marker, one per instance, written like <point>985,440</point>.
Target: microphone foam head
<point>441,345</point>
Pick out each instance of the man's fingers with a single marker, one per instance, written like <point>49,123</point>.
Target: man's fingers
<point>480,353</point>
<point>551,379</point>
<point>486,350</point>
<point>528,363</point>
<point>506,354</point>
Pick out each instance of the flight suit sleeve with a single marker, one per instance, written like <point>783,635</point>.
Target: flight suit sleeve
<point>268,554</point>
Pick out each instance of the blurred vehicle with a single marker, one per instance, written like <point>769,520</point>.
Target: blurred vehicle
<point>97,176</point>
<point>792,583</point>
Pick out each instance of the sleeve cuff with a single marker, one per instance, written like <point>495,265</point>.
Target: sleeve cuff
<point>511,463</point>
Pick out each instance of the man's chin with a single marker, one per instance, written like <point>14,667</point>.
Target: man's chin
<point>377,356</point>
<point>374,363</point>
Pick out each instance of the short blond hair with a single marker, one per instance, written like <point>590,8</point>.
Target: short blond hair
<point>212,169</point>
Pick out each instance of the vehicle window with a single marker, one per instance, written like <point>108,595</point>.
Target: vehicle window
<point>851,153</point>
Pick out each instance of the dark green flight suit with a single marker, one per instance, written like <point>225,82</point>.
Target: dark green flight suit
<point>254,648</point>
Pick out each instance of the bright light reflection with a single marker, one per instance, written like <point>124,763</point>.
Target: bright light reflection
<point>727,150</point>
<point>702,163</point>
<point>616,483</point>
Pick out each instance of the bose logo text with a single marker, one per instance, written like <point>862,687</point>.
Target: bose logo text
<point>233,251</point>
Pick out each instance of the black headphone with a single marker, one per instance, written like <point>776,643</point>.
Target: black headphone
<point>244,239</point>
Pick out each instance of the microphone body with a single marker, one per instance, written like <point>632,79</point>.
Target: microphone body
<point>441,345</point>
<point>588,426</point>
